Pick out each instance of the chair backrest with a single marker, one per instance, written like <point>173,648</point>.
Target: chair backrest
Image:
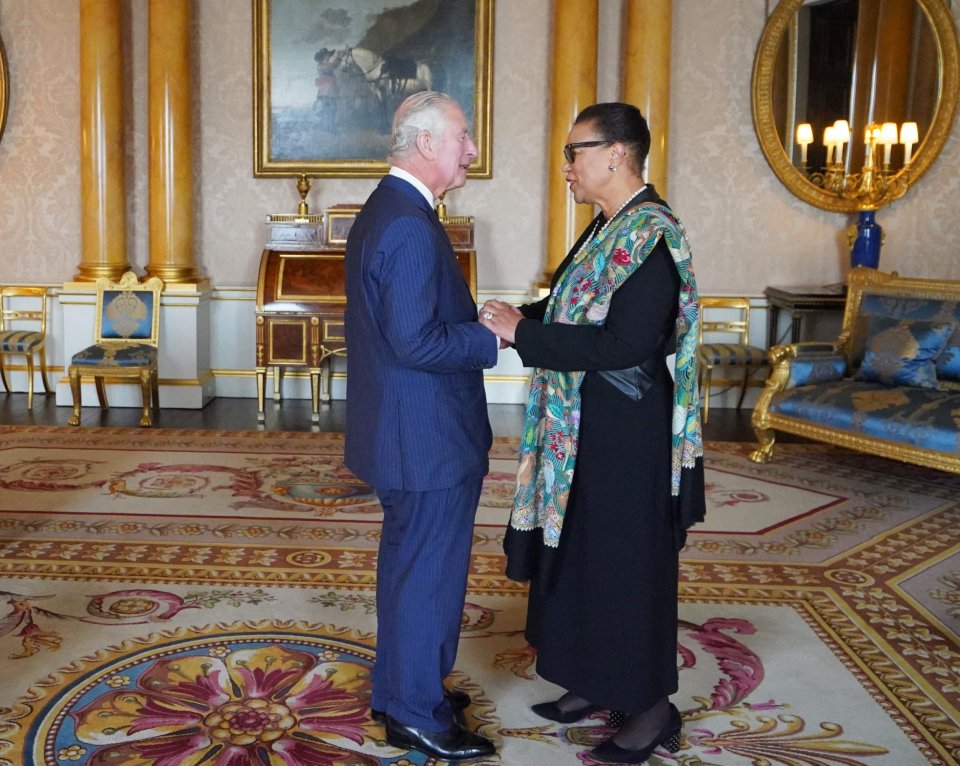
<point>23,308</point>
<point>733,317</point>
<point>128,310</point>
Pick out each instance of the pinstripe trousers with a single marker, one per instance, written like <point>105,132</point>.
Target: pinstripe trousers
<point>422,567</point>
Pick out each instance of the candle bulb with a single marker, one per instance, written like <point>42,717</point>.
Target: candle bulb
<point>888,137</point>
<point>804,137</point>
<point>828,142</point>
<point>841,132</point>
<point>909,135</point>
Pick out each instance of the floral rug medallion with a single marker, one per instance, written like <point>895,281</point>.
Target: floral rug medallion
<point>243,694</point>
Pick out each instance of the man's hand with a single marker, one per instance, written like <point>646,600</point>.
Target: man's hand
<point>502,320</point>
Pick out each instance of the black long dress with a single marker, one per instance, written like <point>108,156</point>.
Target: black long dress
<point>602,609</point>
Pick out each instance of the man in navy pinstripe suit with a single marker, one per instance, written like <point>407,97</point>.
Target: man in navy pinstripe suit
<point>417,427</point>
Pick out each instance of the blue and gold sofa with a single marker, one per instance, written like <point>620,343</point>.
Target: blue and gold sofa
<point>889,385</point>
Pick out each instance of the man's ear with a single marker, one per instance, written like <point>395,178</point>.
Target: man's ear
<point>425,144</point>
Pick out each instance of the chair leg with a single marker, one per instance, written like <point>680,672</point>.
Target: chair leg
<point>29,381</point>
<point>43,369</point>
<point>3,375</point>
<point>155,392</point>
<point>145,395</point>
<point>101,392</point>
<point>707,376</point>
<point>75,390</point>
<point>743,386</point>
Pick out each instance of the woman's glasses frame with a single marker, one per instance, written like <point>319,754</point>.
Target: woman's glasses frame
<point>570,156</point>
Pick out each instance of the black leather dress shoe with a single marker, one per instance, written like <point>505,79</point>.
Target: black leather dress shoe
<point>452,744</point>
<point>458,701</point>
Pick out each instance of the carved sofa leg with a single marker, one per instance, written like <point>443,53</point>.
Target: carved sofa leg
<point>763,453</point>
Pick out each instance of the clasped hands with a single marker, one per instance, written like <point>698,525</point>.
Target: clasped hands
<point>501,319</point>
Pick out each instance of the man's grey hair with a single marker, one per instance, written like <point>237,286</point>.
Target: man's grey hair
<point>423,111</point>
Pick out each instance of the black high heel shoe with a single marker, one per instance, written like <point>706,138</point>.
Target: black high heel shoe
<point>668,738</point>
<point>552,712</point>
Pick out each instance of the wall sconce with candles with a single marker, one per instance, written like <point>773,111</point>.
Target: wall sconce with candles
<point>874,186</point>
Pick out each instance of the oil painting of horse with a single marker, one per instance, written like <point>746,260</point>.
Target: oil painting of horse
<point>329,75</point>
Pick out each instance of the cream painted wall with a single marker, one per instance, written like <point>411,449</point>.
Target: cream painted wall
<point>747,230</point>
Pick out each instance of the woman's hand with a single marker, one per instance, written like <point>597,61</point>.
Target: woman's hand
<point>501,319</point>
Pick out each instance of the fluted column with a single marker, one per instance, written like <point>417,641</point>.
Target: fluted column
<point>170,128</point>
<point>573,86</point>
<point>102,199</point>
<point>646,77</point>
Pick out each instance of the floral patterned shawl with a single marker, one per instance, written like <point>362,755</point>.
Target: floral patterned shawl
<point>548,448</point>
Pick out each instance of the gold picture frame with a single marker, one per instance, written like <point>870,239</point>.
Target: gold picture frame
<point>328,75</point>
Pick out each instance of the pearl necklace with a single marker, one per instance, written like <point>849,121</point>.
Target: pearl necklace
<point>620,209</point>
<point>598,230</point>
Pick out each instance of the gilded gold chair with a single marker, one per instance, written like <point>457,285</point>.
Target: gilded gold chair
<point>23,332</point>
<point>126,334</point>
<point>732,321</point>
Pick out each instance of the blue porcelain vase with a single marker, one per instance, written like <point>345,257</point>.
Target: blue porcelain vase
<point>866,248</point>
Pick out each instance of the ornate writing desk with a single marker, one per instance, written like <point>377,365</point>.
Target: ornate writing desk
<point>300,297</point>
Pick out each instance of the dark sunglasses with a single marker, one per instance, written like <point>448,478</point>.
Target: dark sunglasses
<point>568,148</point>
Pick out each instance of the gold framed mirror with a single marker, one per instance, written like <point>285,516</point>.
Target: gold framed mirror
<point>4,88</point>
<point>781,85</point>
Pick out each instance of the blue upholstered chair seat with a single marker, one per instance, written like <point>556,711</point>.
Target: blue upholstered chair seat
<point>116,354</point>
<point>732,354</point>
<point>919,417</point>
<point>20,341</point>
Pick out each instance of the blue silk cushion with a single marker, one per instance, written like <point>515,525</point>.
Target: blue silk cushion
<point>816,368</point>
<point>903,352</point>
<point>902,307</point>
<point>948,365</point>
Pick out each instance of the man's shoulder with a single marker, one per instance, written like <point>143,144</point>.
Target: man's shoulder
<point>390,202</point>
<point>387,203</point>
<point>399,190</point>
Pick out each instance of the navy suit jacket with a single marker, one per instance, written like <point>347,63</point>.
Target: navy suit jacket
<point>416,408</point>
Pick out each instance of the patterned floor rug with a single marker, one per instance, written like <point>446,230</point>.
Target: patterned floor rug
<point>177,598</point>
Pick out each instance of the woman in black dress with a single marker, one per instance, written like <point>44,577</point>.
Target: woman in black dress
<point>611,454</point>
